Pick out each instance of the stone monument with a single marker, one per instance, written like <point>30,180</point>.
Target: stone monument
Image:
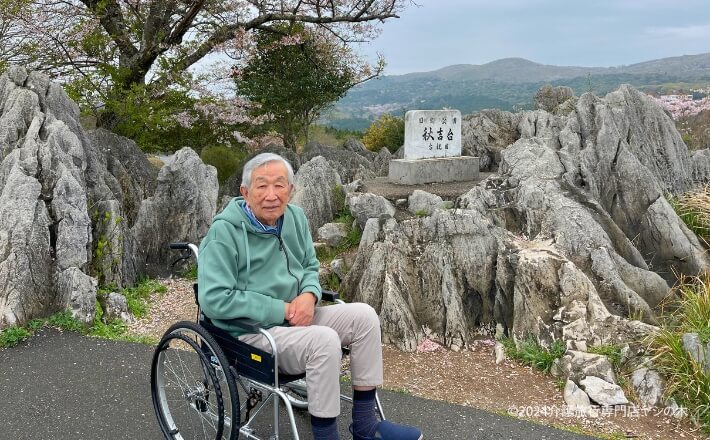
<point>432,150</point>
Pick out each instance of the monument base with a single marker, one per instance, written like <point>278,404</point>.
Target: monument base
<point>439,169</point>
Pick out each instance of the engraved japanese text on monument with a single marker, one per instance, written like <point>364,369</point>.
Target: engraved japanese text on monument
<point>432,133</point>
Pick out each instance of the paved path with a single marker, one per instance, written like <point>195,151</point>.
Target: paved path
<point>63,386</point>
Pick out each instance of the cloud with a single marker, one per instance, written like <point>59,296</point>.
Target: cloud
<point>681,32</point>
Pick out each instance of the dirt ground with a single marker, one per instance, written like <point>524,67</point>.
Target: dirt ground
<point>470,378</point>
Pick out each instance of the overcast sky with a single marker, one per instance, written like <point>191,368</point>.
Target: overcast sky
<point>558,32</point>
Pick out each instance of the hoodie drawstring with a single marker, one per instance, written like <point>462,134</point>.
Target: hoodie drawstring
<point>246,247</point>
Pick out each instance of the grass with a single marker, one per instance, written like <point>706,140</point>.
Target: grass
<point>694,209</point>
<point>326,254</point>
<point>115,330</point>
<point>138,297</point>
<point>611,351</point>
<point>190,273</point>
<point>531,353</point>
<point>138,304</point>
<point>687,380</point>
<point>13,335</point>
<point>332,282</point>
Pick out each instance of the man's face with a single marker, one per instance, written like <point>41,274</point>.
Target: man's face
<point>269,192</point>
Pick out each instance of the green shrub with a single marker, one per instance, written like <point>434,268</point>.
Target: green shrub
<point>386,132</point>
<point>65,321</point>
<point>227,160</point>
<point>12,336</point>
<point>686,380</point>
<point>531,353</point>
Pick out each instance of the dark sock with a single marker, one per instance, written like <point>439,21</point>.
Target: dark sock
<point>365,418</point>
<point>324,428</point>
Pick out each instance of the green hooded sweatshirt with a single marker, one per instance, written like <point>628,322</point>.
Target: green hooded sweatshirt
<point>246,273</point>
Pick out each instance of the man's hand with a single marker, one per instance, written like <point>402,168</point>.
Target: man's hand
<point>299,312</point>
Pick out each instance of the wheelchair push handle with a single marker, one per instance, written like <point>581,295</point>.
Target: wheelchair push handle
<point>188,250</point>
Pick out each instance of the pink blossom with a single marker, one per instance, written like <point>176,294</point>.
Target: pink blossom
<point>681,106</point>
<point>427,345</point>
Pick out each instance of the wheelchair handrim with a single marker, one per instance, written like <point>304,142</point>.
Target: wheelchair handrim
<point>160,399</point>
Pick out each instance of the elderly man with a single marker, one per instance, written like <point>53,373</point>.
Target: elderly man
<point>257,261</point>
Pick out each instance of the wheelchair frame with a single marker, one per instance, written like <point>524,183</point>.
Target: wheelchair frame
<point>225,362</point>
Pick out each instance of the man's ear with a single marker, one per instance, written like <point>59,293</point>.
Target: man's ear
<point>243,191</point>
<point>290,191</point>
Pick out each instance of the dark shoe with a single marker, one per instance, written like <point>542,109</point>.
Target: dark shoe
<point>387,430</point>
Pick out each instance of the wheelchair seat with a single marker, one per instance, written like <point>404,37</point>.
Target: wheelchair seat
<point>248,360</point>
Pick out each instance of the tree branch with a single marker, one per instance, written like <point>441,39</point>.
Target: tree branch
<point>227,32</point>
<point>111,18</point>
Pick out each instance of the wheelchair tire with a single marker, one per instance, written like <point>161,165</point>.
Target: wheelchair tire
<point>193,389</point>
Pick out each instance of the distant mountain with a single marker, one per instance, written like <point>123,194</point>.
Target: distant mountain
<point>507,84</point>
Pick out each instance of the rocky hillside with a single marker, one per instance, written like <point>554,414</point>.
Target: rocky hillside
<point>78,208</point>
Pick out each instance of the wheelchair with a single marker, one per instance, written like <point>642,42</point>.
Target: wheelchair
<point>206,384</point>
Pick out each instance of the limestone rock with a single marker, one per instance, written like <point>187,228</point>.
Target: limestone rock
<point>129,166</point>
<point>568,240</point>
<point>333,234</point>
<point>115,307</point>
<point>45,232</point>
<point>432,272</point>
<point>486,133</point>
<point>549,98</point>
<point>381,162</point>
<point>648,385</point>
<point>363,173</point>
<point>700,166</point>
<point>575,398</point>
<point>339,267</point>
<point>603,392</point>
<point>181,209</point>
<point>424,202</point>
<point>345,162</point>
<point>699,352</point>
<point>316,182</point>
<point>73,204</point>
<point>356,146</point>
<point>499,352</point>
<point>78,292</point>
<point>576,365</point>
<point>367,205</point>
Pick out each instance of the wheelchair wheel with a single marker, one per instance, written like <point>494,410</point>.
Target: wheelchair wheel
<point>296,393</point>
<point>193,388</point>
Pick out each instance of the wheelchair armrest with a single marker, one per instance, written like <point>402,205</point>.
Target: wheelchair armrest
<point>329,295</point>
<point>248,324</point>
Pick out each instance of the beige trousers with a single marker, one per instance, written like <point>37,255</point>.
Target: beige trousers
<point>316,349</point>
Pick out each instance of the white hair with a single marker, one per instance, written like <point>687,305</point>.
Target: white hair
<point>262,159</point>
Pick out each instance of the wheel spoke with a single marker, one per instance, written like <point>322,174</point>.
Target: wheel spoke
<point>192,391</point>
